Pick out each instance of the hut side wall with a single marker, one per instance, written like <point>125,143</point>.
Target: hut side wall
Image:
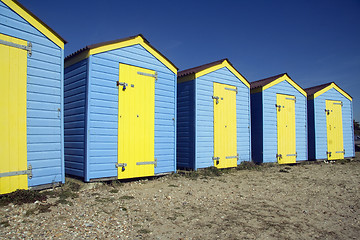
<point>205,117</point>
<point>103,110</point>
<point>257,127</point>
<point>270,121</point>
<point>186,125</point>
<point>320,124</point>
<point>311,129</point>
<point>75,117</point>
<point>44,99</point>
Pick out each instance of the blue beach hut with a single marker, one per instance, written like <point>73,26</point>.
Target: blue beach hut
<point>330,121</point>
<point>31,101</point>
<point>278,120</point>
<point>213,124</point>
<point>120,111</point>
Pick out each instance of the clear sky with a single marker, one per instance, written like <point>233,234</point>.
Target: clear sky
<point>315,41</point>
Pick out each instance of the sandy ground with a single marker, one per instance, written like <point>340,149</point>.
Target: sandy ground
<point>305,201</point>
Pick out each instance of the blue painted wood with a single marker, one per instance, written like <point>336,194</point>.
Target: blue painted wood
<point>196,122</point>
<point>44,99</point>
<point>100,110</point>
<point>266,106</point>
<point>257,127</point>
<point>75,104</point>
<point>186,125</point>
<point>318,116</point>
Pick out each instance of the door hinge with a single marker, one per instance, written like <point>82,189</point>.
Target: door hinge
<point>232,89</point>
<point>217,99</point>
<point>294,99</point>
<point>148,163</point>
<point>338,103</point>
<point>230,157</point>
<point>149,75</point>
<point>17,173</point>
<point>15,45</point>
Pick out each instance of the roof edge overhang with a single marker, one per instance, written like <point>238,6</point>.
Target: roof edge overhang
<point>284,77</point>
<point>224,63</point>
<point>116,44</point>
<point>327,88</point>
<point>35,22</point>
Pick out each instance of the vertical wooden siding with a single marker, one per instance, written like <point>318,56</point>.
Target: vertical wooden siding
<point>44,98</point>
<point>311,129</point>
<point>269,121</point>
<point>186,125</point>
<point>257,127</point>
<point>103,110</point>
<point>75,80</point>
<point>320,124</point>
<point>205,117</point>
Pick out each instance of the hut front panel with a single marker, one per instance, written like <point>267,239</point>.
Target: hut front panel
<point>257,127</point>
<point>185,146</point>
<point>270,121</point>
<point>75,80</point>
<point>320,124</point>
<point>205,117</point>
<point>44,99</point>
<point>103,110</point>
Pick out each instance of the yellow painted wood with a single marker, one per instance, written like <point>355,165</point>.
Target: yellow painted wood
<point>223,64</point>
<point>13,148</point>
<point>332,85</point>
<point>284,77</point>
<point>225,126</point>
<point>286,131</point>
<point>28,16</point>
<point>136,122</point>
<point>121,44</point>
<point>334,127</point>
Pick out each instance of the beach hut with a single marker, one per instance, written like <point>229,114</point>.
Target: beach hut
<point>330,122</point>
<point>278,120</point>
<point>31,106</point>
<point>213,124</point>
<point>120,111</point>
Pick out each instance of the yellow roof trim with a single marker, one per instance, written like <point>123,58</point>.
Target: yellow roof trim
<point>226,64</point>
<point>112,46</point>
<point>332,85</point>
<point>285,77</point>
<point>34,22</point>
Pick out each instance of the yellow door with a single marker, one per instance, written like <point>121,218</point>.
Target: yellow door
<point>335,144</point>
<point>13,150</point>
<point>136,122</point>
<point>286,131</point>
<point>225,150</point>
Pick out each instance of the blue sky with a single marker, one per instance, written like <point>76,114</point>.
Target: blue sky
<point>315,42</point>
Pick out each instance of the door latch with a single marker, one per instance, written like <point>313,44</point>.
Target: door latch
<point>124,84</point>
<point>217,99</point>
<point>327,111</point>
<point>278,106</point>
<point>278,156</point>
<point>122,165</point>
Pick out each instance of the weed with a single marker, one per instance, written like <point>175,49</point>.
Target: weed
<point>144,231</point>
<point>104,200</point>
<point>116,183</point>
<point>4,223</point>
<point>125,197</point>
<point>20,197</point>
<point>172,185</point>
<point>283,170</point>
<point>42,208</point>
<point>114,191</point>
<point>248,166</point>
<point>64,201</point>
